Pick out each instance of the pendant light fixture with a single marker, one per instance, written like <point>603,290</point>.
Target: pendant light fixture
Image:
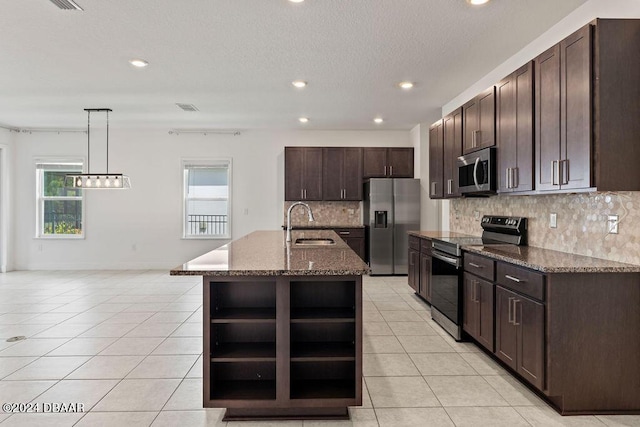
<point>102,181</point>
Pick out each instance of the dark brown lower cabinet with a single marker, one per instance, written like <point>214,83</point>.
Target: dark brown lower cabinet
<point>520,335</point>
<point>284,347</point>
<point>354,237</point>
<point>414,270</point>
<point>478,307</point>
<point>424,290</point>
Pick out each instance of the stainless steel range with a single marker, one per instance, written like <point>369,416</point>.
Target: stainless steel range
<point>447,269</point>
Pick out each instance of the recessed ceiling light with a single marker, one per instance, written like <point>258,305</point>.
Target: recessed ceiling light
<point>477,2</point>
<point>378,120</point>
<point>299,83</point>
<point>405,85</point>
<point>296,1</point>
<point>140,63</point>
<point>303,120</point>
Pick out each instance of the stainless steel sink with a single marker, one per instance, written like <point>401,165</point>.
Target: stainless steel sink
<point>314,242</point>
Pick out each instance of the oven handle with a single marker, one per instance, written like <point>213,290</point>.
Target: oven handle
<point>449,260</point>
<point>475,173</point>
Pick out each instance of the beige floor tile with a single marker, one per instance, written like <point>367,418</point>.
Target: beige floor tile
<point>112,419</point>
<point>513,391</point>
<point>48,368</point>
<point>24,329</point>
<point>380,365</point>
<point>188,330</point>
<point>132,347</point>
<point>441,364</point>
<point>188,396</point>
<point>150,329</point>
<point>183,345</point>
<point>109,330</point>
<point>385,298</point>
<point>164,367</point>
<point>129,318</point>
<point>49,318</point>
<point>170,316</point>
<point>4,417</point>
<point>33,347</point>
<point>620,420</point>
<point>86,392</point>
<point>357,418</point>
<point>93,318</point>
<point>486,417</point>
<point>13,318</point>
<point>372,316</point>
<point>138,395</point>
<point>483,364</point>
<point>22,391</point>
<point>458,346</point>
<point>411,328</point>
<point>8,365</point>
<point>64,331</point>
<point>264,424</point>
<point>42,420</point>
<point>413,417</point>
<point>539,416</point>
<point>464,391</point>
<point>106,367</point>
<point>388,305</point>
<point>82,347</point>
<point>401,316</point>
<point>425,344</point>
<point>400,392</point>
<point>150,307</point>
<point>381,344</point>
<point>201,418</point>
<point>196,370</point>
<point>376,328</point>
<point>426,315</point>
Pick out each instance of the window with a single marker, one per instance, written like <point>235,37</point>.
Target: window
<point>60,209</point>
<point>207,205</point>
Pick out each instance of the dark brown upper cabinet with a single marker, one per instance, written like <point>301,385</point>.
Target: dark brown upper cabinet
<point>587,107</point>
<point>382,162</point>
<point>303,173</point>
<point>342,174</point>
<point>479,122</point>
<point>514,131</point>
<point>436,160</point>
<point>452,125</point>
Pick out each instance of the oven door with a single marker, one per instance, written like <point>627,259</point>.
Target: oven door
<point>446,286</point>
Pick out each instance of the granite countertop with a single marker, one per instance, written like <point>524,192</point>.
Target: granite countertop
<point>265,253</point>
<point>437,234</point>
<point>550,261</point>
<point>321,227</point>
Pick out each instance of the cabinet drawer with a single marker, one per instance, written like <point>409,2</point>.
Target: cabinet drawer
<point>349,232</point>
<point>479,265</point>
<point>521,280</point>
<point>414,242</point>
<point>425,246</point>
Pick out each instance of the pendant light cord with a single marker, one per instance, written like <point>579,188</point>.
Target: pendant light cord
<point>107,141</point>
<point>88,141</point>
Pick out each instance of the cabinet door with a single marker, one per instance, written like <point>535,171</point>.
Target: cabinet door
<point>486,119</point>
<point>425,277</point>
<point>400,162</point>
<point>333,173</point>
<point>506,332</point>
<point>352,174</point>
<point>506,135</point>
<point>452,125</point>
<point>470,126</point>
<point>529,316</point>
<point>293,171</point>
<point>312,177</point>
<point>374,162</point>
<point>576,95</point>
<point>547,122</point>
<point>470,306</point>
<point>414,269</point>
<point>436,158</point>
<point>484,293</point>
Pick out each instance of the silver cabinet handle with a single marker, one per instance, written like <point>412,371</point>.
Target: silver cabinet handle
<point>301,193</point>
<point>344,233</point>
<point>477,288</point>
<point>515,279</point>
<point>305,193</point>
<point>515,312</point>
<point>472,264</point>
<point>508,177</point>
<point>433,188</point>
<point>474,138</point>
<point>390,170</point>
<point>564,172</point>
<point>385,171</point>
<point>449,186</point>
<point>515,180</point>
<point>554,171</point>
<point>510,319</point>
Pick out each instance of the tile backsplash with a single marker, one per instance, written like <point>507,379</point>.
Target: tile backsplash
<point>581,221</point>
<point>326,214</point>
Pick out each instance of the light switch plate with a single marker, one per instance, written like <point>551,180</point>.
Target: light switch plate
<point>612,224</point>
<point>553,220</point>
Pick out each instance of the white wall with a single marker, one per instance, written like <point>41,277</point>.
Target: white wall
<point>6,211</point>
<point>142,227</point>
<point>584,14</point>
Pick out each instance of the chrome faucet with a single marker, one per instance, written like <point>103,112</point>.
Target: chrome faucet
<point>289,217</point>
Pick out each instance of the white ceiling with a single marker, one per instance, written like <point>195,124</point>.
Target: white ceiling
<point>235,59</point>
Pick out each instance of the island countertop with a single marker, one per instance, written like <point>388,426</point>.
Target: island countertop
<point>265,253</point>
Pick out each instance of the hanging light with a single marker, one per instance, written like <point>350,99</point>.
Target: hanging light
<point>103,181</point>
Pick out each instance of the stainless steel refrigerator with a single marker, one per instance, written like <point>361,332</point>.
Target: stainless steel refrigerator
<point>391,209</point>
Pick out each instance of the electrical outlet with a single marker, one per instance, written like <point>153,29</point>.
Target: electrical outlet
<point>612,224</point>
<point>476,215</point>
<point>553,220</point>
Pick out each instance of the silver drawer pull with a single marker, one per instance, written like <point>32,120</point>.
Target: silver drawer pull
<point>515,279</point>
<point>344,233</point>
<point>475,265</point>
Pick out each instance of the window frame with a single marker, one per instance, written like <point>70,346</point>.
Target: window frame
<point>190,163</point>
<point>41,198</point>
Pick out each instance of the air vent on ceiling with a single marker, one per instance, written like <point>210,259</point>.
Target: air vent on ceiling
<point>187,107</point>
<point>66,4</point>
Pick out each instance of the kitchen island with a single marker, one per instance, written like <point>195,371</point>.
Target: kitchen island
<point>282,326</point>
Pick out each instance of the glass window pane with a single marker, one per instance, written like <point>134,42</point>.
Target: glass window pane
<point>53,185</point>
<point>207,217</point>
<point>62,217</point>
<point>208,183</point>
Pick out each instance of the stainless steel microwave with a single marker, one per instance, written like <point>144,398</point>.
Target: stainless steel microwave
<point>477,172</point>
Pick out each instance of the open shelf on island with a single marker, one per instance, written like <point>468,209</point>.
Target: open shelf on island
<point>319,351</point>
<point>244,314</point>
<point>329,379</point>
<point>246,380</point>
<point>315,314</point>
<point>244,351</point>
